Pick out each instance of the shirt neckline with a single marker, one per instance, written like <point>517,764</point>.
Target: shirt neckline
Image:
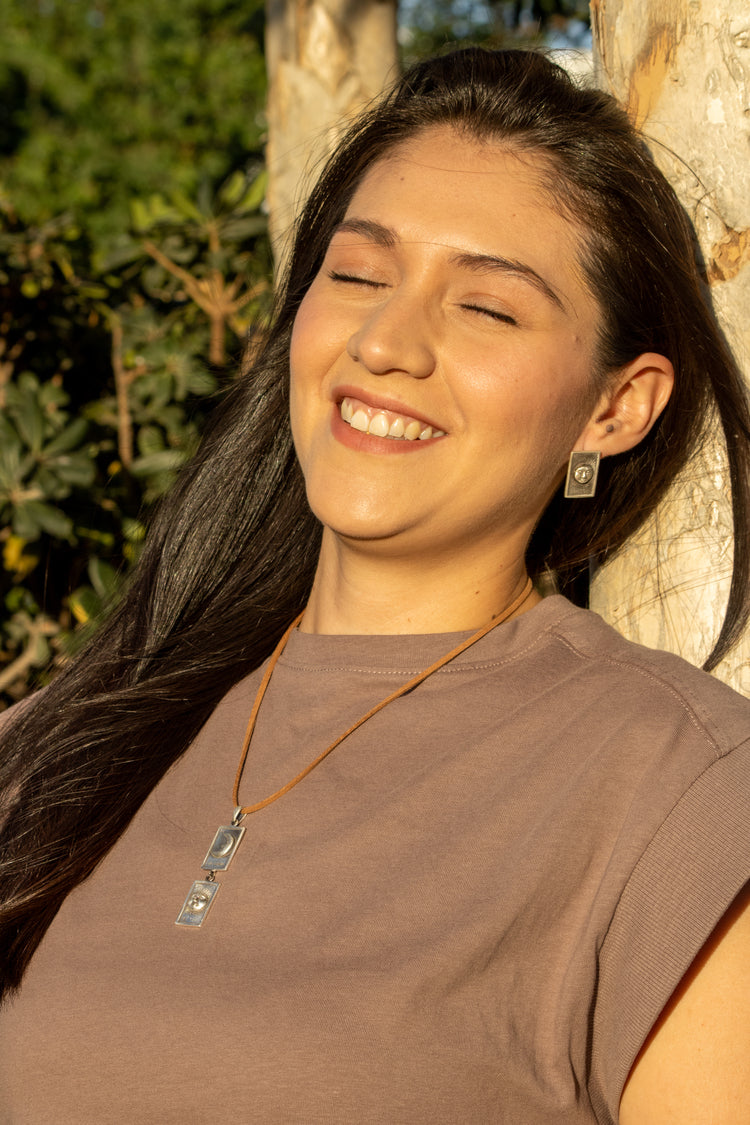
<point>412,652</point>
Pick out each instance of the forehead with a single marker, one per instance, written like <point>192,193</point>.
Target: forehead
<point>443,187</point>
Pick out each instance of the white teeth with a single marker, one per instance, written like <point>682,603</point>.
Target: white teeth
<point>379,425</point>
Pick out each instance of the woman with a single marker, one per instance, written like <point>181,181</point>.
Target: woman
<point>502,883</point>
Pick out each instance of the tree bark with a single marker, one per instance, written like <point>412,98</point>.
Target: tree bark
<point>682,69</point>
<point>326,59</point>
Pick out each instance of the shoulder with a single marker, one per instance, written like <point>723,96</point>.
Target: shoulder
<point>682,847</point>
<point>647,688</point>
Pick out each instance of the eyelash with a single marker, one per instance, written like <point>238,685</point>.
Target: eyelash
<point>352,279</point>
<point>492,313</point>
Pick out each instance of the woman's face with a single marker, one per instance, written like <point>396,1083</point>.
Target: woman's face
<point>441,361</point>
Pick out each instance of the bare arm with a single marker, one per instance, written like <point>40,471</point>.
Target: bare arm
<point>694,1068</point>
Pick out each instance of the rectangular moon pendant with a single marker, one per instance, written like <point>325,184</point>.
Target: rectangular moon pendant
<point>222,850</point>
<point>197,904</point>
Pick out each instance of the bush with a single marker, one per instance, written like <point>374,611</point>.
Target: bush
<point>133,257</point>
<point>104,383</point>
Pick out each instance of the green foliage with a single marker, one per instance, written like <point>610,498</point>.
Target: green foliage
<point>42,458</point>
<point>104,101</point>
<point>104,383</point>
<point>133,258</point>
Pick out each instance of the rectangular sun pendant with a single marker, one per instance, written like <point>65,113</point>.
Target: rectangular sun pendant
<point>197,904</point>
<point>222,850</point>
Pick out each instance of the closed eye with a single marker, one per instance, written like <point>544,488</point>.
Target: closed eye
<point>352,279</point>
<point>492,313</point>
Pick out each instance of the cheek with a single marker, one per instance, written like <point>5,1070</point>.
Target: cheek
<point>536,406</point>
<point>534,393</point>
<point>303,360</point>
<point>298,383</point>
<point>302,336</point>
<point>319,337</point>
<point>315,348</point>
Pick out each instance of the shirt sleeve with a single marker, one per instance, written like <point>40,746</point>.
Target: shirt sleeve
<point>694,867</point>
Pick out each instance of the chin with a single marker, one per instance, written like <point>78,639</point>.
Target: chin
<point>362,531</point>
<point>353,513</point>
<point>378,529</point>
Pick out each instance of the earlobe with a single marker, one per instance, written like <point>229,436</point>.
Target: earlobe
<point>629,408</point>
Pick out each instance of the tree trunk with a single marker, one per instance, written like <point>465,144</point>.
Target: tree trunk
<point>325,60</point>
<point>682,69</point>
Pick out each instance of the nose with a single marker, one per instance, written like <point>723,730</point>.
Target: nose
<point>395,337</point>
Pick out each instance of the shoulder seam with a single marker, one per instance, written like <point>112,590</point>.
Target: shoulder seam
<point>662,682</point>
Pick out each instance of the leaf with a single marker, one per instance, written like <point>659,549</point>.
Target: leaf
<point>15,559</point>
<point>237,230</point>
<point>34,517</point>
<point>8,435</point>
<point>77,471</point>
<point>11,465</point>
<point>231,191</point>
<point>255,194</point>
<point>103,411</point>
<point>48,484</point>
<point>140,217</point>
<point>104,578</point>
<point>19,599</point>
<point>166,460</point>
<point>67,439</point>
<point>96,292</point>
<point>29,421</point>
<point>187,208</point>
<point>96,535</point>
<point>84,604</point>
<point>150,440</point>
<point>122,255</point>
<point>160,210</point>
<point>133,530</point>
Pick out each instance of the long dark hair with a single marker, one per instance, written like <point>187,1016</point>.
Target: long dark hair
<point>232,551</point>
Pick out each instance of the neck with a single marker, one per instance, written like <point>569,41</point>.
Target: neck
<point>354,593</point>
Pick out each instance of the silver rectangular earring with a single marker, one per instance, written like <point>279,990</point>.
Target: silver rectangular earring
<point>583,469</point>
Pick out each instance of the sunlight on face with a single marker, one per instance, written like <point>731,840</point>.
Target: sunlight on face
<point>442,358</point>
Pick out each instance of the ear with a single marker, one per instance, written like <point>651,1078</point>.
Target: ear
<point>627,410</point>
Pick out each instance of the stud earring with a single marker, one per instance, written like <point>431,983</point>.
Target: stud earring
<point>583,469</point>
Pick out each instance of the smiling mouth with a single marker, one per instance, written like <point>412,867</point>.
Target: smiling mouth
<point>385,423</point>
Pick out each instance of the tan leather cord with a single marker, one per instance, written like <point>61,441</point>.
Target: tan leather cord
<point>247,809</point>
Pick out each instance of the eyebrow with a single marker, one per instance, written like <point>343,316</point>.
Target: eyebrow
<point>375,232</point>
<point>479,263</point>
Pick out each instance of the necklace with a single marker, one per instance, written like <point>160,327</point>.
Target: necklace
<point>229,836</point>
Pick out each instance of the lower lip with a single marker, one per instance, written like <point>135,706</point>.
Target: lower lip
<point>369,443</point>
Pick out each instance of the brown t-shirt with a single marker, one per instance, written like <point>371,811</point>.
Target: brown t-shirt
<point>471,912</point>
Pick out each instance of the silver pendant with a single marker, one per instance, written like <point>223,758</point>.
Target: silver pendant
<point>218,857</point>
<point>223,849</point>
<point>198,903</point>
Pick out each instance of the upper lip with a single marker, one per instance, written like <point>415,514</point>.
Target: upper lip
<point>378,402</point>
